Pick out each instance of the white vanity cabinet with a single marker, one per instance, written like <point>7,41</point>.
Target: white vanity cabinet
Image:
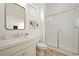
<point>23,49</point>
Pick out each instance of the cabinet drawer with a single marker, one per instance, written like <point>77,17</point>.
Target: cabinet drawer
<point>20,53</point>
<point>31,51</point>
<point>13,50</point>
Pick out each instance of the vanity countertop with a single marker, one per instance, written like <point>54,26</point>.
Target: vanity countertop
<point>13,42</point>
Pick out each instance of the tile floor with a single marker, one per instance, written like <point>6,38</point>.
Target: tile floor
<point>49,52</point>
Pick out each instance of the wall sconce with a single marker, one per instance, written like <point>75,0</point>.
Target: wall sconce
<point>34,24</point>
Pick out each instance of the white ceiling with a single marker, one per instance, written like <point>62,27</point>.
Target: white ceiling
<point>52,8</point>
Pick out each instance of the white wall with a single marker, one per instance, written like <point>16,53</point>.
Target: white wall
<point>41,16</point>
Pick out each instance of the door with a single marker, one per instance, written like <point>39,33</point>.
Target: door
<point>68,32</point>
<point>68,35</point>
<point>51,32</point>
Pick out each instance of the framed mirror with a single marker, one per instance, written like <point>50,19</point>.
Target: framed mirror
<point>14,16</point>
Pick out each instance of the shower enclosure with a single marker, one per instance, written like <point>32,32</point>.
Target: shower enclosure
<point>62,30</point>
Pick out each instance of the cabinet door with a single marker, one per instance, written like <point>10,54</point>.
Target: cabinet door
<point>30,51</point>
<point>51,32</point>
<point>20,53</point>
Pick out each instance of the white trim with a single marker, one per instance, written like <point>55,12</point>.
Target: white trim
<point>32,5</point>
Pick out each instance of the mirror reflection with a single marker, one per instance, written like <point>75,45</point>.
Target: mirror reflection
<point>14,16</point>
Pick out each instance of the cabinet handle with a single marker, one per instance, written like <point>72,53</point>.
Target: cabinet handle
<point>59,30</point>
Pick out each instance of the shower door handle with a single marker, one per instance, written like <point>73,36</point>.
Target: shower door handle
<point>59,31</point>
